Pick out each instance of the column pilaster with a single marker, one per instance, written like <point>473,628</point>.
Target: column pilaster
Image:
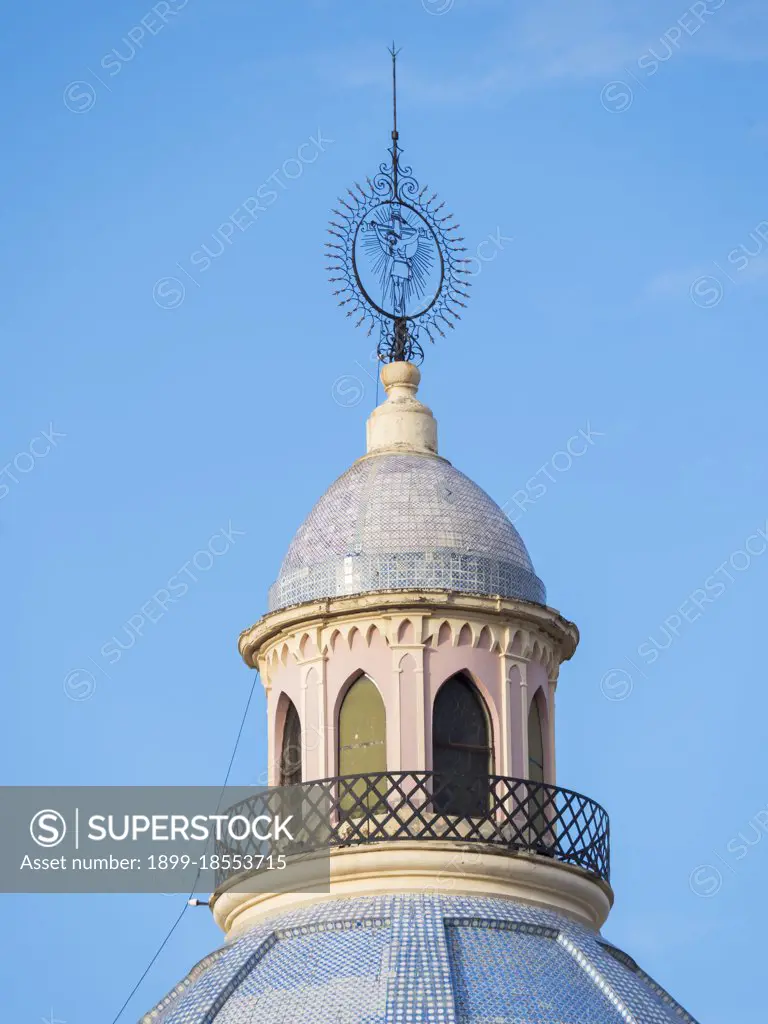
<point>313,711</point>
<point>410,706</point>
<point>552,751</point>
<point>523,667</point>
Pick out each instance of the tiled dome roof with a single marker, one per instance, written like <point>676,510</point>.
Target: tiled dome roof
<point>419,959</point>
<point>405,521</point>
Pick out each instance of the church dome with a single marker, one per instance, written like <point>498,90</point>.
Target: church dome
<point>426,958</point>
<point>402,518</point>
<point>405,520</point>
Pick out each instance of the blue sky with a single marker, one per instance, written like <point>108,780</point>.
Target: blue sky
<point>619,159</point>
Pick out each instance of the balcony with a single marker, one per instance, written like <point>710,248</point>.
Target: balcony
<point>514,815</point>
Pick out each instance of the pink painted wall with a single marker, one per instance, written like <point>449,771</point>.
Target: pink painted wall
<point>317,686</point>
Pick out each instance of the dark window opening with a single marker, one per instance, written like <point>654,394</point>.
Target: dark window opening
<point>290,752</point>
<point>535,743</point>
<point>461,750</point>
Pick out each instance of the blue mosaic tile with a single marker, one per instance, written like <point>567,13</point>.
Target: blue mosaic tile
<point>418,959</point>
<point>209,984</point>
<point>320,972</point>
<point>420,979</point>
<point>646,999</point>
<point>506,976</point>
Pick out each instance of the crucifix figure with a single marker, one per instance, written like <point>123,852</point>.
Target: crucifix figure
<point>399,242</point>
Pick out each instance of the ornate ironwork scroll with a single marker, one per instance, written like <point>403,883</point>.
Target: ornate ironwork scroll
<point>396,259</point>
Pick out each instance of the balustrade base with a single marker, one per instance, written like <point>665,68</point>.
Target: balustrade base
<point>435,868</point>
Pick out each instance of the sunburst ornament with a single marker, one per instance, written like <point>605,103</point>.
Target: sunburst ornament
<point>396,260</point>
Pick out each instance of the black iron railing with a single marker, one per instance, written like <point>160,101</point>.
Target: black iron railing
<point>516,814</point>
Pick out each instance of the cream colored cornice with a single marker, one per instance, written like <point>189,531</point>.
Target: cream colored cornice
<point>418,867</point>
<point>438,603</point>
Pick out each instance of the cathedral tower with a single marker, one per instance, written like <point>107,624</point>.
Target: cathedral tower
<point>411,664</point>
<point>409,652</point>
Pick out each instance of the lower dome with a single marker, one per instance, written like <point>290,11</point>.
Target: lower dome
<point>405,521</point>
<point>419,959</point>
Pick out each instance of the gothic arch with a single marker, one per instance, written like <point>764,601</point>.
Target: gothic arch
<point>466,638</point>
<point>307,648</point>
<point>289,742</point>
<point>405,632</point>
<point>485,640</point>
<point>462,747</point>
<point>361,727</point>
<point>488,702</point>
<point>407,663</point>
<point>538,737</point>
<point>372,634</point>
<point>444,634</point>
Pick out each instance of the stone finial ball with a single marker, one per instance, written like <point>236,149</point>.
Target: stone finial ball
<point>400,373</point>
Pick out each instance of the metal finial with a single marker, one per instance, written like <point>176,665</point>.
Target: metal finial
<point>394,53</point>
<point>395,136</point>
<point>399,265</point>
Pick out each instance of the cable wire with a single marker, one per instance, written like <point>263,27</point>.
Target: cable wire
<point>177,922</point>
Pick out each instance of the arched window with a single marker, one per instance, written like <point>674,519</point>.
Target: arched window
<point>362,733</point>
<point>362,730</point>
<point>290,750</point>
<point>535,742</point>
<point>461,749</point>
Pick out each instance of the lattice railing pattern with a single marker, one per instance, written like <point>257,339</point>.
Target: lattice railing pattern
<point>517,814</point>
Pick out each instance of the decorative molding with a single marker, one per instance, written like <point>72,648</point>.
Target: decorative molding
<point>433,867</point>
<point>540,632</point>
<point>517,642</point>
